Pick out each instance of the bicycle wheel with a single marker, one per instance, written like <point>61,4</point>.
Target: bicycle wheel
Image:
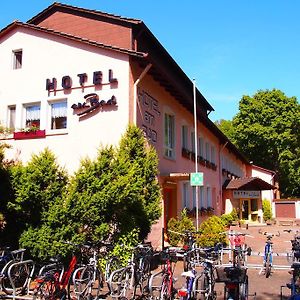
<point>166,289</point>
<point>202,288</point>
<point>46,290</point>
<point>244,289</point>
<point>112,264</point>
<point>268,266</point>
<point>89,284</point>
<point>19,275</point>
<point>125,286</point>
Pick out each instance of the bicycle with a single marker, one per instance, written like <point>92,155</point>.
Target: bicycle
<point>132,280</point>
<point>239,248</point>
<point>54,283</point>
<point>161,283</point>
<point>235,276</point>
<point>204,283</point>
<point>14,276</point>
<point>268,252</point>
<point>295,255</point>
<point>294,285</point>
<point>87,280</point>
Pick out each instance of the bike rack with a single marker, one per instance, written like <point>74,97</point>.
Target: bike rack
<point>26,285</point>
<point>152,287</point>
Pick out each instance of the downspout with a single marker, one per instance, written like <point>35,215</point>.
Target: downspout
<point>220,172</point>
<point>135,92</point>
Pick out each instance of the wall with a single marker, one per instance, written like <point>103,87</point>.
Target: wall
<point>46,57</point>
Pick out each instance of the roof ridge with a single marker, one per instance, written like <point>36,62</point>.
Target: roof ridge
<point>74,37</point>
<point>87,10</point>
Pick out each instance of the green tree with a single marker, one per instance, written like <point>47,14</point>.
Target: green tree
<point>113,196</point>
<point>36,187</point>
<point>5,186</point>
<point>227,128</point>
<point>266,129</point>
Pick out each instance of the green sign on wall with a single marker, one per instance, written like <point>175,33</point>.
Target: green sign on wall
<point>196,179</point>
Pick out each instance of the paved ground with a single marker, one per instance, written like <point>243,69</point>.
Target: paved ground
<point>265,288</point>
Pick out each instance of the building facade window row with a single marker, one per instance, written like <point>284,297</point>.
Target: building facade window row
<point>34,116</point>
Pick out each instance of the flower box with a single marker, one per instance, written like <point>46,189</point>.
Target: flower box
<point>202,161</point>
<point>22,135</point>
<point>186,153</point>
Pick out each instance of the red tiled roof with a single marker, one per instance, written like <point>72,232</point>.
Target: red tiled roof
<point>248,184</point>
<point>71,37</point>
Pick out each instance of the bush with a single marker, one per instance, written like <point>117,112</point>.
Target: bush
<point>226,219</point>
<point>211,232</point>
<point>180,225</point>
<point>234,215</point>
<point>267,210</point>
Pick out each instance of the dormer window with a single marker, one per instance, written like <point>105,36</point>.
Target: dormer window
<point>17,59</point>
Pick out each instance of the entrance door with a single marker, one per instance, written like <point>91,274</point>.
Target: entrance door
<point>245,209</point>
<point>170,207</point>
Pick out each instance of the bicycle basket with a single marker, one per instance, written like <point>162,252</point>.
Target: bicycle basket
<point>231,274</point>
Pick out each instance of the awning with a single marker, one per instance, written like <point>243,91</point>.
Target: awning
<point>247,184</point>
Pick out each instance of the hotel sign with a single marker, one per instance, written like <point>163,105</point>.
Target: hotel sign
<point>68,84</point>
<point>246,194</point>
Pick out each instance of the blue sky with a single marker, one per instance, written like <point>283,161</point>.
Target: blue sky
<point>230,47</point>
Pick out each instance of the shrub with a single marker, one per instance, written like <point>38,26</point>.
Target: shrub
<point>180,225</point>
<point>226,219</point>
<point>234,215</point>
<point>211,232</point>
<point>267,210</point>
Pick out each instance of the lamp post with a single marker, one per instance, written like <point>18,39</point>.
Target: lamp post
<point>196,155</point>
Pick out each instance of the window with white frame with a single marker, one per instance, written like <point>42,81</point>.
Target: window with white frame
<point>202,199</point>
<point>32,115</point>
<point>185,195</point>
<point>17,59</point>
<point>58,115</point>
<point>11,120</point>
<point>184,136</point>
<point>208,196</point>
<point>169,143</point>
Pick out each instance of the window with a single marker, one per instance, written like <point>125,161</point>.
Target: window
<point>185,195</point>
<point>11,124</point>
<point>194,195</point>
<point>32,115</point>
<point>193,141</point>
<point>208,197</point>
<point>201,146</point>
<point>169,136</point>
<point>17,59</point>
<point>213,155</point>
<point>202,200</point>
<point>184,137</point>
<point>58,115</point>
<point>207,150</point>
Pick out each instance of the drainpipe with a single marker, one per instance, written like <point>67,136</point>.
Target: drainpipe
<point>135,92</point>
<point>220,172</point>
